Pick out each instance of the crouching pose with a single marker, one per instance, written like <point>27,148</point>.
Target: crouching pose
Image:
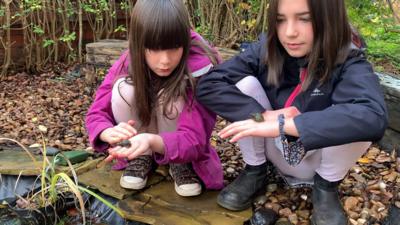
<point>147,101</point>
<point>303,97</point>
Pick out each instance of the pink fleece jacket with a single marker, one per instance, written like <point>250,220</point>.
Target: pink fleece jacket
<point>190,143</point>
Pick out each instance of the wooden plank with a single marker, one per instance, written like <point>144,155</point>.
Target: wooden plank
<point>161,205</point>
<point>14,162</point>
<point>106,181</point>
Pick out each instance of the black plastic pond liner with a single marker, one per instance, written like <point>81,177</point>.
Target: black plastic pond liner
<point>103,212</point>
<point>10,214</point>
<point>45,215</point>
<point>8,217</point>
<point>9,189</point>
<point>25,185</point>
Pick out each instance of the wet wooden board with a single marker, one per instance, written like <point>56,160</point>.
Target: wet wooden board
<point>158,203</point>
<point>15,162</point>
<point>106,181</point>
<point>161,205</point>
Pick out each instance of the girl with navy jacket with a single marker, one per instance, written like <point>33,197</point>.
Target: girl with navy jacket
<point>303,97</point>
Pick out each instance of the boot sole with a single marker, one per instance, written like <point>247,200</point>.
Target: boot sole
<point>232,206</point>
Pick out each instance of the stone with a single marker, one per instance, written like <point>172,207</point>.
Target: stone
<point>361,221</point>
<point>372,153</point>
<point>230,170</point>
<point>272,187</point>
<point>304,197</point>
<point>353,215</point>
<point>391,177</point>
<point>391,139</point>
<point>293,218</point>
<point>398,164</point>
<point>391,88</point>
<point>285,212</point>
<point>274,206</point>
<point>283,221</point>
<point>260,200</point>
<point>350,203</point>
<point>353,222</point>
<point>305,214</point>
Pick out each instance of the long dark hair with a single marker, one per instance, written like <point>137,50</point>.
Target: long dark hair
<point>158,25</point>
<point>332,38</point>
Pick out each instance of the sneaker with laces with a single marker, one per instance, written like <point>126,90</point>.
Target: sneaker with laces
<point>185,179</point>
<point>135,174</point>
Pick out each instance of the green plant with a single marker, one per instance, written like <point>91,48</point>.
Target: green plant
<point>56,184</point>
<point>378,26</point>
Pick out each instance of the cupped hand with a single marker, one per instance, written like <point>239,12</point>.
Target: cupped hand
<point>120,132</point>
<point>140,145</point>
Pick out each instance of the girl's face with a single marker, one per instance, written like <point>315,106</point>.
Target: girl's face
<point>294,27</point>
<point>163,62</point>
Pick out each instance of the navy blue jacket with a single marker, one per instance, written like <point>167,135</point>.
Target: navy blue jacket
<point>348,108</point>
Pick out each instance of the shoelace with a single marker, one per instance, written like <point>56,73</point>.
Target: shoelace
<point>140,166</point>
<point>183,174</point>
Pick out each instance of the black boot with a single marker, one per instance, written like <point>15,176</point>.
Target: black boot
<point>393,217</point>
<point>239,194</point>
<point>327,209</point>
<point>262,216</point>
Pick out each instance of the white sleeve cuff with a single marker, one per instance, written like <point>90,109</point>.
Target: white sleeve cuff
<point>202,71</point>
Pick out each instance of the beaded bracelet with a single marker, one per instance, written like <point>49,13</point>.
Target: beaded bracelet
<point>293,152</point>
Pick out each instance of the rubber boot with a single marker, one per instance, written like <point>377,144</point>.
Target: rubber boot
<point>393,217</point>
<point>240,193</point>
<point>327,208</point>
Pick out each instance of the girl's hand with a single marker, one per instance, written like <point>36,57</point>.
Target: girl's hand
<point>289,112</point>
<point>268,128</point>
<point>245,128</point>
<point>122,131</point>
<point>140,145</point>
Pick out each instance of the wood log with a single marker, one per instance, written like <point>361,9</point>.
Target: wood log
<point>107,47</point>
<point>101,54</point>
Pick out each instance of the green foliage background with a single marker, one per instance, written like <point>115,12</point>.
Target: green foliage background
<point>51,27</point>
<point>375,21</point>
<point>372,18</point>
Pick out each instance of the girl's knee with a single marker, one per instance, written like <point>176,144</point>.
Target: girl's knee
<point>252,87</point>
<point>122,92</point>
<point>249,85</point>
